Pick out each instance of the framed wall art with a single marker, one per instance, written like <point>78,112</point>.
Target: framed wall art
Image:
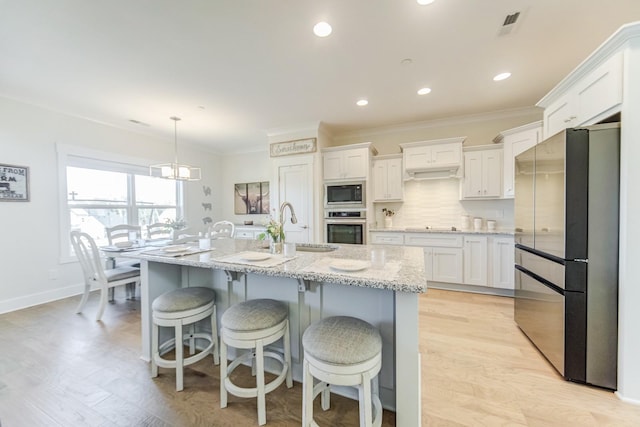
<point>251,198</point>
<point>14,183</point>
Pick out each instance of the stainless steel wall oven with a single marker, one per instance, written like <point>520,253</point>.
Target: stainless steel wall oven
<point>345,226</point>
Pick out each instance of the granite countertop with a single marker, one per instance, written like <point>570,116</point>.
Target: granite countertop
<point>403,271</point>
<point>439,230</point>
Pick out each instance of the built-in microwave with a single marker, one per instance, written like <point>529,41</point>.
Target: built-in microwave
<point>345,194</point>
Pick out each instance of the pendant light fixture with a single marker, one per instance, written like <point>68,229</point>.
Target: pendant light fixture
<point>175,170</point>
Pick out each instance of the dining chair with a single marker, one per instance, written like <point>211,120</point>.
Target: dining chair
<point>122,233</point>
<point>158,230</point>
<point>223,229</point>
<point>94,272</point>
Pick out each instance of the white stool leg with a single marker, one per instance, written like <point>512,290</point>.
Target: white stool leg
<point>262,411</point>
<point>307,395</point>
<point>325,396</point>
<point>179,358</point>
<point>214,337</point>
<point>192,340</point>
<point>154,350</point>
<point>364,390</point>
<point>223,371</point>
<point>287,354</point>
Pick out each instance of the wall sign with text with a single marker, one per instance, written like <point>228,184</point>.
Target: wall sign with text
<point>14,183</point>
<point>299,146</point>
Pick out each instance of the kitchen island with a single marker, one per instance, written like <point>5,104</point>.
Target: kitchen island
<point>313,288</point>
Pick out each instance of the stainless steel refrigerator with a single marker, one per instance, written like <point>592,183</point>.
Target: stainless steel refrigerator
<point>566,272</point>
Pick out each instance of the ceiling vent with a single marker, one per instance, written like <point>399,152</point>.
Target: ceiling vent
<point>509,24</point>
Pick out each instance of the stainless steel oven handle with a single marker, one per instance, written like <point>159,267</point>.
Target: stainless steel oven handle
<point>345,221</point>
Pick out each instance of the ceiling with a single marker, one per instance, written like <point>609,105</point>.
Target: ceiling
<point>235,69</point>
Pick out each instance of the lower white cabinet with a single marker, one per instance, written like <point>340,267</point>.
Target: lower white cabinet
<point>443,255</point>
<point>386,238</point>
<point>501,261</point>
<point>445,263</point>
<point>247,233</point>
<point>475,260</point>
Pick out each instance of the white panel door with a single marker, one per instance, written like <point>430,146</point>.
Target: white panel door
<point>475,260</point>
<point>447,265</point>
<point>295,185</point>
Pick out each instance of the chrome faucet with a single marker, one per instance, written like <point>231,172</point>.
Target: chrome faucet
<point>294,219</point>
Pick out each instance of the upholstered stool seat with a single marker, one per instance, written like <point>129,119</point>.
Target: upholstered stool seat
<point>179,308</point>
<point>252,325</point>
<point>343,351</point>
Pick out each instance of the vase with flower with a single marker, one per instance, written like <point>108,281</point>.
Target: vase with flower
<point>175,225</point>
<point>275,233</point>
<point>388,217</point>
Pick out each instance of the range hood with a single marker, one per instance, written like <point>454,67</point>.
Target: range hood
<point>435,159</point>
<point>452,171</point>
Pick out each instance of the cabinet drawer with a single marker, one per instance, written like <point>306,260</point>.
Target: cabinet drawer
<point>387,238</point>
<point>431,239</point>
<point>247,235</point>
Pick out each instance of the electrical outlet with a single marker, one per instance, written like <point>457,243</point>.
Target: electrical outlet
<point>53,274</point>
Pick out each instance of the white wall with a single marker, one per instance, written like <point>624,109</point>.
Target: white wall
<point>29,254</point>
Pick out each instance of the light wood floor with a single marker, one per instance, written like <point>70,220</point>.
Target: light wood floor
<point>62,369</point>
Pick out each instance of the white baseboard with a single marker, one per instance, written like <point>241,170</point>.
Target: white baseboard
<point>626,399</point>
<point>40,298</point>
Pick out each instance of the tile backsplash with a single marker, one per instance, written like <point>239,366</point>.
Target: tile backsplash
<point>436,203</point>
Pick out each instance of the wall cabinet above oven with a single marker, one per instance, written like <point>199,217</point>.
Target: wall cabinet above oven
<point>347,162</point>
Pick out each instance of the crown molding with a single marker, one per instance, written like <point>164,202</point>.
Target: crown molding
<point>428,124</point>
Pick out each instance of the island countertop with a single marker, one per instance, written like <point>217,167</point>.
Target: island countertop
<point>403,270</point>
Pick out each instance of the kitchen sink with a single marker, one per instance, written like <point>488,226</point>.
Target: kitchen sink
<point>315,247</point>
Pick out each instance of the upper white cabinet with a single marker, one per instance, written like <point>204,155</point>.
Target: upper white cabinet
<point>426,157</point>
<point>482,172</point>
<point>387,178</point>
<point>594,97</point>
<point>346,162</point>
<point>515,141</point>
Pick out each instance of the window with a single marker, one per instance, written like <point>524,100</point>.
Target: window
<point>99,194</point>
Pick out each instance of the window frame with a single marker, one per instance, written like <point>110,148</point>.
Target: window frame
<point>73,156</point>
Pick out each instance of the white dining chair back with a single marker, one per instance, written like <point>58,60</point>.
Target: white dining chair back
<point>159,230</point>
<point>222,229</point>
<point>121,233</point>
<point>94,273</point>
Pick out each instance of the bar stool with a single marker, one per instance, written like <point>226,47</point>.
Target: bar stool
<point>176,309</point>
<point>252,325</point>
<point>344,351</point>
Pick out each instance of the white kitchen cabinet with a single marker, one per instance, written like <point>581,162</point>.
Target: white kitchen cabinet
<point>482,173</point>
<point>475,260</point>
<point>501,262</point>
<point>248,232</point>
<point>443,255</point>
<point>386,238</point>
<point>387,179</point>
<point>346,163</point>
<point>435,155</point>
<point>592,98</point>
<point>515,141</point>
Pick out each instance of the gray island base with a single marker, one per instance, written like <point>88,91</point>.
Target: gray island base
<point>313,288</point>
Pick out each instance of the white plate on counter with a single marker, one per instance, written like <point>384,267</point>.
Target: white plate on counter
<point>347,265</point>
<point>175,249</point>
<point>255,256</point>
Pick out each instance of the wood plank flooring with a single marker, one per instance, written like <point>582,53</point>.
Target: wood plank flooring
<point>62,369</point>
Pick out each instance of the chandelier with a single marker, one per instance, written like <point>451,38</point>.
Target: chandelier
<point>175,170</point>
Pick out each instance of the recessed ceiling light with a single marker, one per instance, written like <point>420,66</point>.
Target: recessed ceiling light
<point>501,76</point>
<point>424,2</point>
<point>322,29</point>
<point>362,102</point>
<point>424,91</point>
